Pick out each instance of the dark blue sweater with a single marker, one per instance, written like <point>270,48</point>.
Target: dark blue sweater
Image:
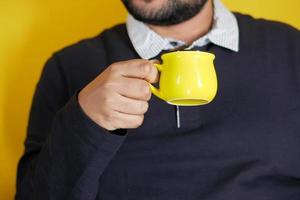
<point>244,145</point>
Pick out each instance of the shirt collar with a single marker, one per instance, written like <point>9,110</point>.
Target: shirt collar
<point>148,44</point>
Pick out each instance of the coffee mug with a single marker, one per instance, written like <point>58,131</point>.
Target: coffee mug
<point>187,78</point>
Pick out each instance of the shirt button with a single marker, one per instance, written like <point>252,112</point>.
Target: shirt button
<point>174,43</point>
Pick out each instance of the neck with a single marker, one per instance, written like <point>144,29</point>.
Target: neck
<point>203,21</point>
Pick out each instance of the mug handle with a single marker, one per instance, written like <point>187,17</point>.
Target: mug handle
<point>153,89</point>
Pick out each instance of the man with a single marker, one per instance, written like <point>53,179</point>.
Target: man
<point>95,133</point>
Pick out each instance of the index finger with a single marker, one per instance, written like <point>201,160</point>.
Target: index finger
<point>139,68</point>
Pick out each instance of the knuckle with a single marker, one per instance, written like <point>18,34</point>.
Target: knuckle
<point>135,122</point>
<point>139,121</point>
<point>145,68</point>
<point>114,67</point>
<point>109,117</point>
<point>144,107</point>
<point>107,100</point>
<point>110,85</point>
<point>108,125</point>
<point>105,125</point>
<point>107,85</point>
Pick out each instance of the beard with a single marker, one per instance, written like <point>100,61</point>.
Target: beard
<point>169,13</point>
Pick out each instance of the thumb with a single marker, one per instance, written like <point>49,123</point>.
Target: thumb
<point>154,74</point>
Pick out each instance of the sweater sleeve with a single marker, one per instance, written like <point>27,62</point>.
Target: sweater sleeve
<point>65,151</point>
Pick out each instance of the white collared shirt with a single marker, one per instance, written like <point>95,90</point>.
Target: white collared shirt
<point>148,44</point>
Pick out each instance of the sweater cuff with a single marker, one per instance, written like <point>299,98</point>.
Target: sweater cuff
<point>91,130</point>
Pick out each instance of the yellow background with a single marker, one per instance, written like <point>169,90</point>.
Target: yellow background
<point>30,30</point>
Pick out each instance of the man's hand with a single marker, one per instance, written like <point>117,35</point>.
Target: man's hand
<point>118,97</point>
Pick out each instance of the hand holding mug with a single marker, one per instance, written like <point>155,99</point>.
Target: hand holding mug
<point>118,97</point>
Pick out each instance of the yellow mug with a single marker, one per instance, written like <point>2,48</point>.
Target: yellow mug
<point>187,78</point>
